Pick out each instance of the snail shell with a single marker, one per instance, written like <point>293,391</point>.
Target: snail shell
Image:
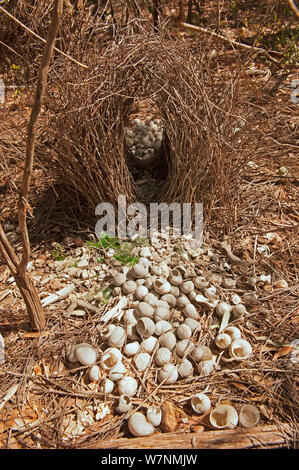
<point>175,277</point>
<point>162,313</point>
<point>151,299</point>
<point>240,349</point>
<point>127,386</point>
<point>161,286</point>
<point>185,368</point>
<point>118,337</point>
<point>139,426</point>
<point>190,311</point>
<point>154,415</point>
<point>201,353</point>
<point>85,354</point>
<point>144,309</point>
<point>201,403</point>
<point>170,299</point>
<point>106,386</point>
<point>124,404</point>
<point>183,347</point>
<point>249,416</point>
<point>186,287</point>
<point>233,332</point>
<point>156,270</point>
<point>145,327</point>
<point>223,340</point>
<point>205,367</point>
<point>168,340</point>
<point>141,292</point>
<point>210,292</point>
<point>182,301</point>
<point>162,356</point>
<point>131,349</point>
<point>194,325</point>
<point>129,287</point>
<point>222,308</point>
<point>161,327</point>
<point>200,282</point>
<point>119,279</point>
<point>110,358</point>
<point>94,373</point>
<point>148,344</point>
<point>139,271</point>
<point>184,331</point>
<point>169,373</point>
<point>117,372</point>
<point>238,310</point>
<point>224,416</point>
<point>142,361</point>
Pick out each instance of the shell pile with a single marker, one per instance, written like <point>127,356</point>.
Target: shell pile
<point>165,307</point>
<point>145,138</point>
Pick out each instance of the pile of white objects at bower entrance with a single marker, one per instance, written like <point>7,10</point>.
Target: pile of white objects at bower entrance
<point>145,138</point>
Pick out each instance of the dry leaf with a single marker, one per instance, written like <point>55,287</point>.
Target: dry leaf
<point>282,352</point>
<point>169,419</point>
<point>240,386</point>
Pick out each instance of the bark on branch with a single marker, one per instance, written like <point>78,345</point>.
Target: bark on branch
<point>17,267</point>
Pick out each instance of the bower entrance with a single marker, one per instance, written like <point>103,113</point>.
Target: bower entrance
<point>91,149</point>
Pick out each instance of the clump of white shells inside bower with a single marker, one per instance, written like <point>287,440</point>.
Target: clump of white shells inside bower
<point>171,319</point>
<point>145,138</point>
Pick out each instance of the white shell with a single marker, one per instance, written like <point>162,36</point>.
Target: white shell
<point>170,299</point>
<point>203,300</point>
<point>210,292</point>
<point>154,415</point>
<point>200,282</point>
<point>148,344</point>
<point>119,279</point>
<point>71,356</point>
<point>94,373</point>
<point>233,332</point>
<point>185,368</point>
<point>224,416</point>
<point>129,287</point>
<point>141,292</point>
<point>139,426</point>
<point>145,327</point>
<point>205,367</point>
<point>238,310</point>
<point>127,386</point>
<point>124,404</point>
<point>117,372</point>
<point>146,262</point>
<point>240,349</point>
<point>168,340</point>
<point>193,324</point>
<point>161,286</point>
<point>162,356</point>
<point>161,327</point>
<point>201,403</point>
<point>131,349</point>
<point>182,301</point>
<point>162,313</point>
<point>142,361</point>
<point>222,308</point>
<point>85,354</point>
<point>183,347</point>
<point>144,309</point>
<point>175,277</point>
<point>151,299</point>
<point>131,332</point>
<point>106,331</point>
<point>107,386</point>
<point>190,311</point>
<point>184,331</point>
<point>156,270</point>
<point>117,337</point>
<point>236,299</point>
<point>139,270</point>
<point>175,291</point>
<point>201,353</point>
<point>129,317</point>
<point>169,373</point>
<point>223,340</point>
<point>249,416</point>
<point>110,358</point>
<point>186,287</point>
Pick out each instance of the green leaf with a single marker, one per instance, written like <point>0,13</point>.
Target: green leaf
<point>126,259</point>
